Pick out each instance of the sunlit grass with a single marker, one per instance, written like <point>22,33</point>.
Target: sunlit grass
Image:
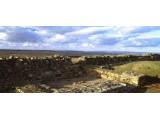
<point>150,68</point>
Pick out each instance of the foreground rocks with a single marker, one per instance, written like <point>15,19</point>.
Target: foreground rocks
<point>81,86</point>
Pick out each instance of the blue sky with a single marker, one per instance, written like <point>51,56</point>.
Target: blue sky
<point>91,38</point>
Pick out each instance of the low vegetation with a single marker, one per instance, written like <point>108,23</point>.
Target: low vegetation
<point>150,68</point>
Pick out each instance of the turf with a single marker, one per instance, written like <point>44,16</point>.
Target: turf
<point>150,68</point>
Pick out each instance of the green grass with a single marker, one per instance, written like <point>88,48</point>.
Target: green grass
<point>150,68</point>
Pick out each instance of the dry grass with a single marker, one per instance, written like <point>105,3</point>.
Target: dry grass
<point>150,68</point>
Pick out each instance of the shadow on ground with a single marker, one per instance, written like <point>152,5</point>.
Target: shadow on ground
<point>11,88</point>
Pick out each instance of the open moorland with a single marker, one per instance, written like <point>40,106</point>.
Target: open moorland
<point>78,72</point>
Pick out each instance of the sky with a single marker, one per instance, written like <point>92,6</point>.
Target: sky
<point>81,38</point>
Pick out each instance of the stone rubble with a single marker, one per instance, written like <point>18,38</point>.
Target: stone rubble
<point>87,86</point>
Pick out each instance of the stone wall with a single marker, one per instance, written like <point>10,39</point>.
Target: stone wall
<point>16,71</point>
<point>109,75</point>
<point>128,78</point>
<point>102,60</point>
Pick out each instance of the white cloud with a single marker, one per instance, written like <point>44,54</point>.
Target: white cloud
<point>27,44</point>
<point>88,45</point>
<point>42,32</point>
<point>126,29</point>
<point>88,30</point>
<point>152,34</point>
<point>57,38</point>
<point>3,36</point>
<point>95,37</point>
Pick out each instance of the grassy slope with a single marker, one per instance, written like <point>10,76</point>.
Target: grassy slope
<point>151,68</point>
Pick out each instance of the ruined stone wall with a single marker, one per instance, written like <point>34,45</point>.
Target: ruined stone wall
<point>16,71</point>
<point>102,60</point>
<point>125,78</point>
<point>128,78</point>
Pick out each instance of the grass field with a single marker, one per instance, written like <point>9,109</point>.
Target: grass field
<point>150,68</point>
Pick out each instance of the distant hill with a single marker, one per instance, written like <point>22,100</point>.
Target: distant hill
<point>5,52</point>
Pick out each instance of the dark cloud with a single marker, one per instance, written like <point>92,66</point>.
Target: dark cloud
<point>109,41</point>
<point>145,29</point>
<point>60,29</point>
<point>20,35</point>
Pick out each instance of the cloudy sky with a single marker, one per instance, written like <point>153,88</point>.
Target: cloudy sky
<point>107,38</point>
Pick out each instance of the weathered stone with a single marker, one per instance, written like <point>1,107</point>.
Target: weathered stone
<point>125,78</point>
<point>54,90</point>
<point>48,73</point>
<point>30,75</point>
<point>44,86</point>
<point>20,59</point>
<point>18,90</point>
